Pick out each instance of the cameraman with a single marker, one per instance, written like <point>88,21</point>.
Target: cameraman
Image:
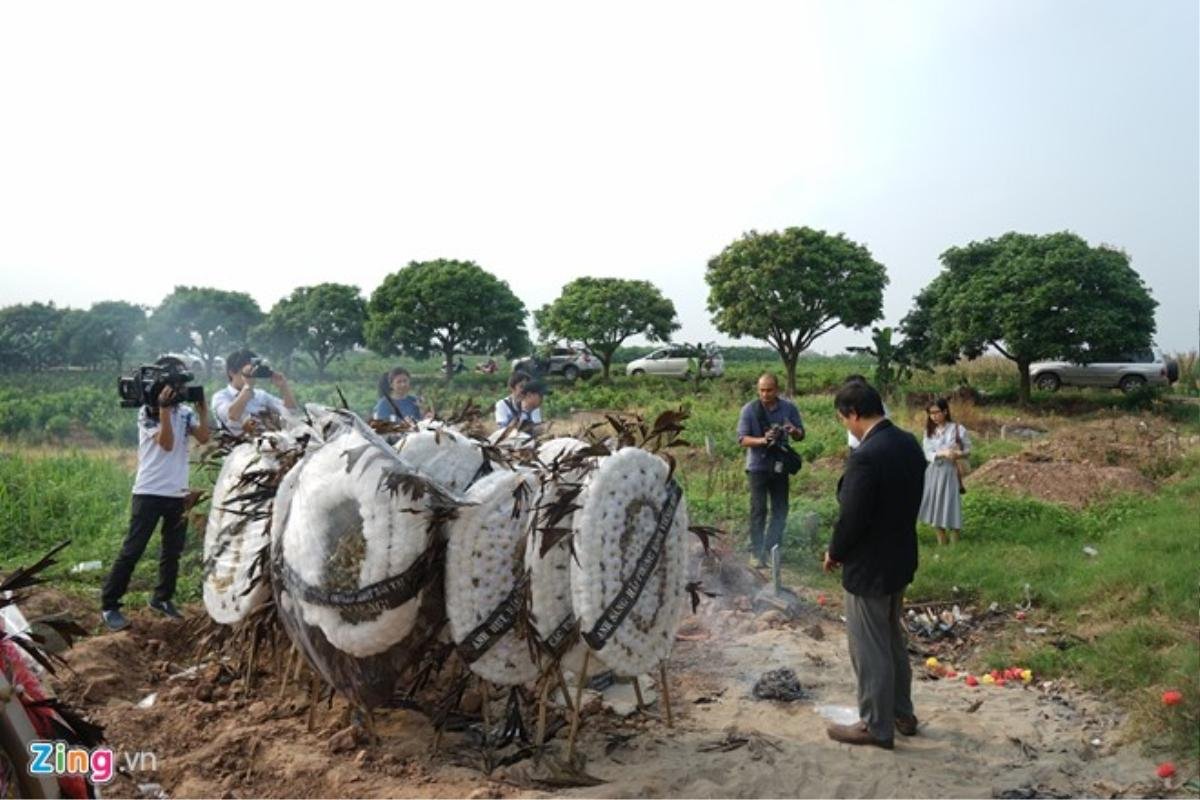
<point>764,427</point>
<point>238,404</point>
<point>158,494</point>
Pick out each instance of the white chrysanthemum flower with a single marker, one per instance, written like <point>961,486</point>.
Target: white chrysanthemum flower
<point>340,531</point>
<point>448,457</point>
<point>621,503</point>
<point>483,564</point>
<point>233,540</point>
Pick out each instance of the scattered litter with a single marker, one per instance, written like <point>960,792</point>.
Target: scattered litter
<point>152,791</point>
<point>1166,770</point>
<point>929,623</point>
<point>1034,631</point>
<point>1096,742</point>
<point>705,699</point>
<point>148,700</point>
<point>838,715</point>
<point>779,684</point>
<point>1172,698</point>
<point>184,674</point>
<point>758,744</point>
<point>86,566</point>
<point>1090,551</point>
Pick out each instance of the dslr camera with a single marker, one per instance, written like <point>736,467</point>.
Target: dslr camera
<point>261,368</point>
<point>146,383</point>
<point>776,436</point>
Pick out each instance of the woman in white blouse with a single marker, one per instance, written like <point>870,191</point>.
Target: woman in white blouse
<point>945,443</point>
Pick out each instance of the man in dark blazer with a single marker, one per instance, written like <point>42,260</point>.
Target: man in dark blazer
<point>875,544</point>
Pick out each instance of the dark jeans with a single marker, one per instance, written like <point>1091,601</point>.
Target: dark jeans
<point>764,485</point>
<point>148,509</point>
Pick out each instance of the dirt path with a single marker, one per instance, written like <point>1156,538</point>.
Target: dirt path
<point>209,740</point>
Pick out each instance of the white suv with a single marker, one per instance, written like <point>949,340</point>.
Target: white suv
<point>1128,372</point>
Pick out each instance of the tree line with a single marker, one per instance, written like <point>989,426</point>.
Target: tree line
<point>1029,297</point>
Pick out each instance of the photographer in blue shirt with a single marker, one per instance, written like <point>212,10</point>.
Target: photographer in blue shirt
<point>764,428</point>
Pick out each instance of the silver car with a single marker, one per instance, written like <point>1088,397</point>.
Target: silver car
<point>675,362</point>
<point>1132,371</point>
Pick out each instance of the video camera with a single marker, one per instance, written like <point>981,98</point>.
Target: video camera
<point>146,383</point>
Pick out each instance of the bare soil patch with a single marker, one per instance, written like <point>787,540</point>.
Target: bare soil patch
<point>211,737</point>
<point>1065,482</point>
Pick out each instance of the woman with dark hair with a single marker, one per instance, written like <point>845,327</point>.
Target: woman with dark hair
<point>946,442</point>
<point>395,403</point>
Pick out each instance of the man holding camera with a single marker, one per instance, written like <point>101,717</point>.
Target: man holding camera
<point>764,428</point>
<point>159,491</point>
<point>239,406</point>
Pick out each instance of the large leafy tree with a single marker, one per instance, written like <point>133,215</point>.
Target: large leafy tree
<point>792,286</point>
<point>604,312</point>
<point>210,321</point>
<point>1031,297</point>
<point>446,307</point>
<point>31,337</point>
<point>107,331</point>
<point>323,321</point>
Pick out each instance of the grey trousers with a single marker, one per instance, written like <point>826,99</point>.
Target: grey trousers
<point>879,655</point>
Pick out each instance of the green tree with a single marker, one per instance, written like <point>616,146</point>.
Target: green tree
<point>210,321</point>
<point>107,330</point>
<point>604,312</point>
<point>1031,298</point>
<point>30,337</point>
<point>791,287</point>
<point>323,321</point>
<point>446,307</point>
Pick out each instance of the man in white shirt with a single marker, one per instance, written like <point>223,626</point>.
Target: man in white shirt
<point>240,407</point>
<point>524,403</point>
<point>158,494</point>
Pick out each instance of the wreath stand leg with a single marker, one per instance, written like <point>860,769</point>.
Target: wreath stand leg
<point>666,693</point>
<point>485,694</point>
<point>543,698</point>
<point>577,710</point>
<point>562,686</point>
<point>637,692</point>
<point>314,696</point>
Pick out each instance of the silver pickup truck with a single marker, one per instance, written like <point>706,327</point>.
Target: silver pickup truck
<point>1126,373</point>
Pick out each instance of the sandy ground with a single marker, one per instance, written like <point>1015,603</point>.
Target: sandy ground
<point>212,739</point>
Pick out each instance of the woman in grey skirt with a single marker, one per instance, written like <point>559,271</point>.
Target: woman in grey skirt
<point>945,443</point>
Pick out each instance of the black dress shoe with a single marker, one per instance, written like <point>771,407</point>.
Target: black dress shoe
<point>166,608</point>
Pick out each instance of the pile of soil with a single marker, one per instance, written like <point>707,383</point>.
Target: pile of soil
<point>1066,482</point>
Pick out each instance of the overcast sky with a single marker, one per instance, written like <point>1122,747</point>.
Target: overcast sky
<point>265,146</point>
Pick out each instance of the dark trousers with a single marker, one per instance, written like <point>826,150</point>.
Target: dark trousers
<point>147,510</point>
<point>764,486</point>
<point>879,655</point>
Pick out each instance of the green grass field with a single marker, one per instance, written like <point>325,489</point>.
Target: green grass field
<point>67,461</point>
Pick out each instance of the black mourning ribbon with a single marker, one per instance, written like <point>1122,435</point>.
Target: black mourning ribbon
<point>373,600</point>
<point>499,622</point>
<point>623,603</point>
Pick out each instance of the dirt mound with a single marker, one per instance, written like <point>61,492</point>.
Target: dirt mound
<point>1066,482</point>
